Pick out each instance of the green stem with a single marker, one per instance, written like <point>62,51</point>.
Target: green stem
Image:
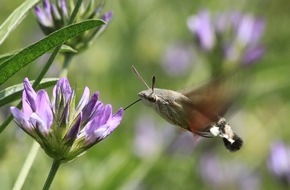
<point>54,168</point>
<point>66,63</point>
<point>26,166</point>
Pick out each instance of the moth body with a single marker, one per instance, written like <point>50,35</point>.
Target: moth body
<point>197,110</point>
<point>180,110</point>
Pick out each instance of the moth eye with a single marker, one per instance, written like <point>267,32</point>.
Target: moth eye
<point>152,99</point>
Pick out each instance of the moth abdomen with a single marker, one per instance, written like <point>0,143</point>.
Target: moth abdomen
<point>236,145</point>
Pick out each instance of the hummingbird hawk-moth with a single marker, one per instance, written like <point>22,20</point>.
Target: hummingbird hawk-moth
<point>199,111</point>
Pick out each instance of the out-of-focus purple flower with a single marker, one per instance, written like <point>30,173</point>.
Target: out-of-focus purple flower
<point>63,130</point>
<point>224,174</point>
<point>249,30</point>
<point>44,15</point>
<point>184,144</point>
<point>252,54</point>
<point>279,161</point>
<point>235,35</point>
<point>177,59</point>
<point>107,16</point>
<point>202,28</point>
<point>149,140</point>
<point>53,16</point>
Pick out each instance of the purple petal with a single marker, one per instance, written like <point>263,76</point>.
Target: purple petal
<point>107,16</point>
<point>115,120</point>
<point>105,115</point>
<point>64,8</point>
<point>92,107</point>
<point>101,118</point>
<point>47,12</point>
<point>97,121</point>
<point>28,98</point>
<point>84,99</point>
<point>42,17</point>
<point>62,88</point>
<point>201,27</point>
<point>73,132</point>
<point>21,120</point>
<point>251,55</point>
<point>26,107</point>
<point>250,30</point>
<point>39,124</point>
<point>258,30</point>
<point>43,108</point>
<point>55,12</point>
<point>105,130</point>
<point>97,130</point>
<point>47,6</point>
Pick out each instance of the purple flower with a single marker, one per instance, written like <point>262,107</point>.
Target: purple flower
<point>252,54</point>
<point>107,16</point>
<point>202,28</point>
<point>54,16</point>
<point>184,144</point>
<point>63,130</point>
<point>234,36</point>
<point>220,174</point>
<point>176,60</point>
<point>279,161</point>
<point>149,140</point>
<point>44,15</point>
<point>249,30</point>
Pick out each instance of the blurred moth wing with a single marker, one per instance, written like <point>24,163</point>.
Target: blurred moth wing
<point>197,110</point>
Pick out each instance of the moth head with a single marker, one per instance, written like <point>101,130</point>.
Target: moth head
<point>148,97</point>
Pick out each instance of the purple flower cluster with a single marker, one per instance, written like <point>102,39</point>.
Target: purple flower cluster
<point>234,34</point>
<point>52,17</point>
<point>224,39</point>
<point>62,129</point>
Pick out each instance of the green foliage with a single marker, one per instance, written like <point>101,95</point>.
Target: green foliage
<point>15,18</point>
<point>32,52</point>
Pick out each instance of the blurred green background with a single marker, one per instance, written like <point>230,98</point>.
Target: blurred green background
<point>166,158</point>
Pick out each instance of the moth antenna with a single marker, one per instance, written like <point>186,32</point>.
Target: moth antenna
<point>132,104</point>
<point>153,82</point>
<point>139,76</point>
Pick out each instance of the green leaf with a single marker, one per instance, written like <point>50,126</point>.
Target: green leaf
<point>32,52</point>
<point>64,49</point>
<point>67,49</point>
<point>4,57</point>
<point>13,93</point>
<point>15,18</point>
